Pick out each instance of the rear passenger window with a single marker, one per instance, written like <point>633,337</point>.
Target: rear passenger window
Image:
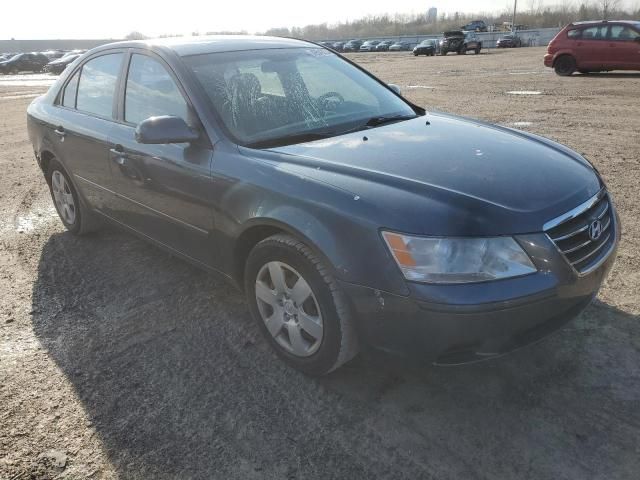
<point>151,92</point>
<point>97,84</point>
<point>69,97</point>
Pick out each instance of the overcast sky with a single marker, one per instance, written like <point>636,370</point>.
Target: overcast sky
<point>28,19</point>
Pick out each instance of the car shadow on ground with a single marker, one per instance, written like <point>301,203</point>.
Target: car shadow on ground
<point>174,377</point>
<point>608,75</point>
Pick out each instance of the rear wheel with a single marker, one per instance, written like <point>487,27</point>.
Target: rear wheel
<point>565,65</point>
<point>75,217</point>
<point>299,306</point>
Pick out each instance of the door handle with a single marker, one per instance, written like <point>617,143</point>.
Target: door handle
<point>118,155</point>
<point>60,132</point>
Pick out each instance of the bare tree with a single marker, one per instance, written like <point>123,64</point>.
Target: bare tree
<point>607,7</point>
<point>136,36</point>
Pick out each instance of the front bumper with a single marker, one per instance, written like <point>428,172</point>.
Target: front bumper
<point>548,60</point>
<point>454,324</point>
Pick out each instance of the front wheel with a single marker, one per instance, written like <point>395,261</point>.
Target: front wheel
<point>299,306</point>
<point>565,65</point>
<point>477,51</point>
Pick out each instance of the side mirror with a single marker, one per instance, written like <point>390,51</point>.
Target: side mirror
<point>395,88</point>
<point>165,129</point>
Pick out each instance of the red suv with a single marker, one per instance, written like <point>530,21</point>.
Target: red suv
<point>595,46</point>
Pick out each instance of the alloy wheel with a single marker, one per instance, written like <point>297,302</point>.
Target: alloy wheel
<point>63,197</point>
<point>289,309</point>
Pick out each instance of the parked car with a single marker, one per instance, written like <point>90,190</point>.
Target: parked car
<point>459,42</point>
<point>369,46</point>
<point>475,26</point>
<point>24,62</point>
<point>326,44</point>
<point>595,47</point>
<point>58,65</point>
<point>426,47</point>
<point>338,46</point>
<point>509,41</point>
<point>384,45</point>
<point>352,46</point>
<point>399,47</point>
<point>53,54</point>
<point>346,217</point>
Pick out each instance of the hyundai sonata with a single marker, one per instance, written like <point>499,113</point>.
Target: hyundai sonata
<point>349,216</point>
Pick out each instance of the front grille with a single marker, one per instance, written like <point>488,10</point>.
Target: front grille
<point>571,233</point>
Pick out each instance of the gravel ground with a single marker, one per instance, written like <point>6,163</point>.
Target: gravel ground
<point>120,361</point>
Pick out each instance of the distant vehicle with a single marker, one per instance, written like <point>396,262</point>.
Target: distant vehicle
<point>426,47</point>
<point>475,26</point>
<point>459,42</point>
<point>24,62</point>
<point>369,46</point>
<point>58,65</point>
<point>399,46</point>
<point>53,54</point>
<point>384,45</point>
<point>338,46</point>
<point>509,41</point>
<point>326,44</point>
<point>352,46</point>
<point>595,47</point>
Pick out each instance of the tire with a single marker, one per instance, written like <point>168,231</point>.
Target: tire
<point>443,52</point>
<point>332,341</point>
<point>477,50</point>
<point>564,65</point>
<point>74,215</point>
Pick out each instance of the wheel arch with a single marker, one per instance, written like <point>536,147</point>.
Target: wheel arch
<point>258,229</point>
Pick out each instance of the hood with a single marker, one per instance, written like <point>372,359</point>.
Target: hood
<point>490,177</point>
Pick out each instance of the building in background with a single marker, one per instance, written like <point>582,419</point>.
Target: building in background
<point>432,15</point>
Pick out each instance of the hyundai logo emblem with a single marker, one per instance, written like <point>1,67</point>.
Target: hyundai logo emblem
<point>595,230</point>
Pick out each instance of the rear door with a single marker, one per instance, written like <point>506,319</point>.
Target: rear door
<point>624,47</point>
<point>162,191</point>
<point>592,48</point>
<point>84,116</point>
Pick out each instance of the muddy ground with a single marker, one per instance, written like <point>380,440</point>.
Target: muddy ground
<point>119,361</point>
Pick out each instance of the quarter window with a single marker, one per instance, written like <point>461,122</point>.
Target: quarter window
<point>574,33</point>
<point>97,85</point>
<point>151,92</point>
<point>69,97</point>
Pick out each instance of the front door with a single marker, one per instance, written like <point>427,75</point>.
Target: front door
<point>162,191</point>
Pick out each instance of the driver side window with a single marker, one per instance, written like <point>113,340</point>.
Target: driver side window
<point>151,92</point>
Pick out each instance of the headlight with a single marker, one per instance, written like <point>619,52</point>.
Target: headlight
<point>458,260</point>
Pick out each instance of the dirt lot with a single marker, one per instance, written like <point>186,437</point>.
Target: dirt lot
<point>119,361</point>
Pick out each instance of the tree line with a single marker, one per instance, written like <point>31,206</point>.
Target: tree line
<point>531,14</point>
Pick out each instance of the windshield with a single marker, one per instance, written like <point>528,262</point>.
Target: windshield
<point>283,96</point>
<point>426,42</point>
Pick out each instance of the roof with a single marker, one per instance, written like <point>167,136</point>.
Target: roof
<point>185,46</point>
<point>596,22</point>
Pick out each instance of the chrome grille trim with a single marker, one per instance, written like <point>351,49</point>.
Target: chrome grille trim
<point>570,233</point>
<point>565,217</point>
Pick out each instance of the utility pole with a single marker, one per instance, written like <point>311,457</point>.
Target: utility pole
<point>513,19</point>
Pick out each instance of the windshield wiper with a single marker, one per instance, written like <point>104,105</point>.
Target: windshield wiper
<point>377,121</point>
<point>381,120</point>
